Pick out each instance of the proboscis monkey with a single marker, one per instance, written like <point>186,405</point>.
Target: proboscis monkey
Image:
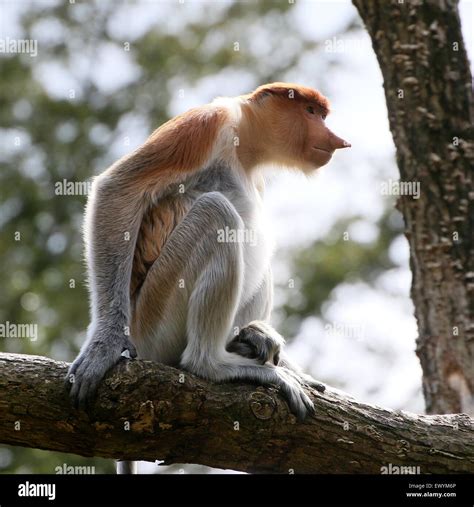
<point>176,246</point>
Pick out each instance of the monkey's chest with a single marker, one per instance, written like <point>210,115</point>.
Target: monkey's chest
<point>257,249</point>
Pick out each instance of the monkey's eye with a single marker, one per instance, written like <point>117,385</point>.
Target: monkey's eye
<point>310,109</point>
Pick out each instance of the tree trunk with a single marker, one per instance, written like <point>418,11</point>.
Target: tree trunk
<point>428,89</point>
<point>147,411</point>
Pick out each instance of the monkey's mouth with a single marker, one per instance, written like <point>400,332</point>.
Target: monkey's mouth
<point>322,149</point>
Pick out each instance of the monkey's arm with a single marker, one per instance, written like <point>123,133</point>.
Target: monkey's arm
<point>113,218</point>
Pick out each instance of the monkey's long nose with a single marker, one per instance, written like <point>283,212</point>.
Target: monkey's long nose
<point>336,142</point>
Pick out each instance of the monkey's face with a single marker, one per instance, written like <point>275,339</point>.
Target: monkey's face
<point>283,124</point>
<point>320,142</point>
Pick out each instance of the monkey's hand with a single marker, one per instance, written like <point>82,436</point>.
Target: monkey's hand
<point>85,374</point>
<point>258,341</point>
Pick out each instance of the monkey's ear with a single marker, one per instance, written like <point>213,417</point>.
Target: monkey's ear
<point>259,97</point>
<point>271,90</point>
<point>261,94</point>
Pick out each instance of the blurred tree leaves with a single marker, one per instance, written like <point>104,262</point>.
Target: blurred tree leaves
<point>322,266</point>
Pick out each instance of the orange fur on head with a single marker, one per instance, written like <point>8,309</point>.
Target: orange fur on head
<point>293,91</point>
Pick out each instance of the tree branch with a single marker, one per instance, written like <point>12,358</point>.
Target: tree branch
<point>179,418</point>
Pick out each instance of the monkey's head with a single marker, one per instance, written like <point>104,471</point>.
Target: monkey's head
<point>284,124</point>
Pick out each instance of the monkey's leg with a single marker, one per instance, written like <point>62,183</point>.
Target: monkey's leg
<point>248,339</point>
<point>207,275</point>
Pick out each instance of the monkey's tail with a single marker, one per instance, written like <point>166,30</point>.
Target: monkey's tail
<point>126,467</point>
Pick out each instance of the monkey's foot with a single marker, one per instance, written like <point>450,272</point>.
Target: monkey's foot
<point>258,341</point>
<point>298,401</point>
<point>306,380</point>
